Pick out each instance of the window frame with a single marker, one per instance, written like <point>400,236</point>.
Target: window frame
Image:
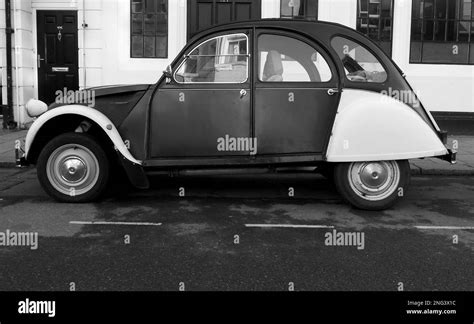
<point>381,19</point>
<point>186,57</point>
<point>457,20</point>
<point>318,49</point>
<point>143,33</point>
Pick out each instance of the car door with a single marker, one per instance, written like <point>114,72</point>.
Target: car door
<point>207,104</point>
<point>296,95</point>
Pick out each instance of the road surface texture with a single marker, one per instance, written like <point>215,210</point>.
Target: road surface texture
<point>259,232</point>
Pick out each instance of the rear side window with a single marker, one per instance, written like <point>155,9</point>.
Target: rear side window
<point>286,59</point>
<point>359,63</point>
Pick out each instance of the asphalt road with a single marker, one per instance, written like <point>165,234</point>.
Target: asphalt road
<point>203,241</point>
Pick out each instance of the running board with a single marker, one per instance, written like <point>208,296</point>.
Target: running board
<point>230,171</point>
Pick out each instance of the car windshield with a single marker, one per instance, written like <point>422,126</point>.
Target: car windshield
<point>359,63</point>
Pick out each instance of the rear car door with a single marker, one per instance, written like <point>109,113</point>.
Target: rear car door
<point>296,95</point>
<point>207,103</point>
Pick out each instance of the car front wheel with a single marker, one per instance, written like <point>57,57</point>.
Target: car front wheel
<point>372,185</point>
<point>73,168</point>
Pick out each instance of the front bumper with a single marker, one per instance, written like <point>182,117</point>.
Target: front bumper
<point>20,155</point>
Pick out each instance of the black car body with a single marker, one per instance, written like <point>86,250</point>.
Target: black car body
<point>261,94</point>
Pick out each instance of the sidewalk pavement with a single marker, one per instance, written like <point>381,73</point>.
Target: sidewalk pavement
<point>7,146</point>
<point>464,167</point>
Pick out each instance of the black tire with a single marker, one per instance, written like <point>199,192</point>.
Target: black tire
<point>367,194</point>
<point>83,158</point>
<point>326,170</point>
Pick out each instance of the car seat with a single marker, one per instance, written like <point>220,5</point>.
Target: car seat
<point>273,70</point>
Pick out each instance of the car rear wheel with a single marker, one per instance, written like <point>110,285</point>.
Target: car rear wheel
<point>372,185</point>
<point>73,168</point>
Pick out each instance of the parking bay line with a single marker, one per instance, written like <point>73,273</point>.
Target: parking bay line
<point>469,228</point>
<point>115,223</point>
<point>288,226</point>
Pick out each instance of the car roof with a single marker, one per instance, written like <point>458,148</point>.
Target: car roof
<point>321,31</point>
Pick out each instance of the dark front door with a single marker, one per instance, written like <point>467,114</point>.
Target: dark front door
<point>205,111</point>
<point>203,14</point>
<point>57,53</point>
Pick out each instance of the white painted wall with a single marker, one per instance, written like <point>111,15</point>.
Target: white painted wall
<point>91,44</point>
<point>271,8</point>
<point>22,57</point>
<point>340,11</point>
<point>117,66</point>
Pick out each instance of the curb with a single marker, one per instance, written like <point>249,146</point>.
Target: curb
<point>8,165</point>
<point>441,172</point>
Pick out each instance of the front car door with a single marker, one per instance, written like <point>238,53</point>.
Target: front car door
<point>206,108</point>
<point>296,95</point>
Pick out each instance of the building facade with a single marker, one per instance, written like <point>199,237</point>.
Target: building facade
<point>79,44</point>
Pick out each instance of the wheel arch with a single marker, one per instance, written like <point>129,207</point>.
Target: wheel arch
<point>370,126</point>
<point>67,119</point>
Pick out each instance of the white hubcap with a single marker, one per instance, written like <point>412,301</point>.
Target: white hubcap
<point>72,169</point>
<point>374,181</point>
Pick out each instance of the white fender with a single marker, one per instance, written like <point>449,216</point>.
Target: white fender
<point>99,118</point>
<point>370,126</point>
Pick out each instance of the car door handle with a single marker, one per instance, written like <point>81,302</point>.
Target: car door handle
<point>243,93</point>
<point>332,92</point>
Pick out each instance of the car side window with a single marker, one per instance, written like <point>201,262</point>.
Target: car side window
<point>359,63</point>
<point>223,59</point>
<point>286,59</point>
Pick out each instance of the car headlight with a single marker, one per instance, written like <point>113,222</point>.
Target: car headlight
<point>35,108</point>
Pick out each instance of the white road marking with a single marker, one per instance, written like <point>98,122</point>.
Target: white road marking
<point>288,226</point>
<point>470,228</point>
<point>115,223</point>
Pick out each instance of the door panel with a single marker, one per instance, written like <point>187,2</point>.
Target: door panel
<point>294,112</point>
<point>57,53</point>
<point>189,122</point>
<point>208,101</point>
<point>203,14</point>
<point>299,126</point>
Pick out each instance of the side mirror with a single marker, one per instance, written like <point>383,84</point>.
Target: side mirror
<point>168,73</point>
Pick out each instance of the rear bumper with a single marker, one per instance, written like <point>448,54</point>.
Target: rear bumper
<point>451,157</point>
<point>20,156</point>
